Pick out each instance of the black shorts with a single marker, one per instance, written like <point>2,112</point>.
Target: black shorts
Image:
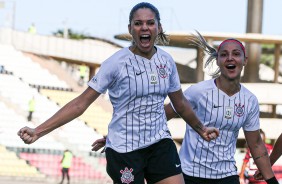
<point>154,163</point>
<point>195,180</point>
<point>65,170</point>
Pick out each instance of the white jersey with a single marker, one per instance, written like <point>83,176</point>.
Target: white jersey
<point>214,108</point>
<point>137,89</point>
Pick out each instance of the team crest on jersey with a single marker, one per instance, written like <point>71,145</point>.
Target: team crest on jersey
<point>162,71</point>
<point>127,176</point>
<point>239,110</point>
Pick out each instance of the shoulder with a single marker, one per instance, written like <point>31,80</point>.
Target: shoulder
<point>202,86</point>
<point>248,93</point>
<point>119,56</point>
<point>164,54</point>
<point>118,59</point>
<point>197,90</point>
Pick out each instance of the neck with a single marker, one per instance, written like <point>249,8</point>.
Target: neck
<point>230,87</point>
<point>148,55</point>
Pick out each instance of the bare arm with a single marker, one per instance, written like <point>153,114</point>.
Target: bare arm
<point>70,111</point>
<point>243,168</point>
<point>183,109</point>
<point>242,172</point>
<point>259,153</point>
<point>277,150</point>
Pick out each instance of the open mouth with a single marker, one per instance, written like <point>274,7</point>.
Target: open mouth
<point>230,66</point>
<point>145,39</point>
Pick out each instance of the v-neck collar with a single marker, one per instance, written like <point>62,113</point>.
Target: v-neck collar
<point>225,94</point>
<point>143,58</point>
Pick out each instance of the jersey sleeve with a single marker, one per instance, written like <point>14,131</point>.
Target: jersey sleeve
<point>252,121</point>
<point>188,94</point>
<point>106,75</point>
<point>174,78</point>
<point>191,95</point>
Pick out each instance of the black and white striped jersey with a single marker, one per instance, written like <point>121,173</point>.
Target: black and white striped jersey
<point>214,108</point>
<point>137,89</point>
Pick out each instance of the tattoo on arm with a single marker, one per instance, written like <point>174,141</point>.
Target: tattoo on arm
<point>199,127</point>
<point>263,155</point>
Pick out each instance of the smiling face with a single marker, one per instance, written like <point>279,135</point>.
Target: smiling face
<point>231,59</point>
<point>144,28</point>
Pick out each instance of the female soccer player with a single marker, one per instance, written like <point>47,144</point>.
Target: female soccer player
<point>138,78</point>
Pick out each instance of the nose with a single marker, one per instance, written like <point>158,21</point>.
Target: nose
<point>229,57</point>
<point>144,26</point>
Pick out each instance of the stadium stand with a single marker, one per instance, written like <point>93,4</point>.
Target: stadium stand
<point>12,165</point>
<point>96,116</point>
<point>15,90</point>
<point>28,70</point>
<point>24,75</point>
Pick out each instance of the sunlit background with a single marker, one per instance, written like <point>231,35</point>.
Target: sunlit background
<point>47,46</point>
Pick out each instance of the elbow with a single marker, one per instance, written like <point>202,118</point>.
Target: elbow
<point>179,108</point>
<point>77,108</point>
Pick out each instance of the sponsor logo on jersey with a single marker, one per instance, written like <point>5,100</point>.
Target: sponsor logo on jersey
<point>228,112</point>
<point>94,79</point>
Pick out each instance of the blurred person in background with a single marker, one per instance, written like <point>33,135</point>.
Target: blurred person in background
<point>82,74</point>
<point>32,29</point>
<point>138,78</point>
<point>31,108</point>
<point>66,164</point>
<point>249,167</point>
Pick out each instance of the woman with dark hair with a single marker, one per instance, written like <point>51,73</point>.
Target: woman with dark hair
<point>139,78</point>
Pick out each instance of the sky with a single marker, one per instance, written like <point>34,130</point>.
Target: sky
<point>106,18</point>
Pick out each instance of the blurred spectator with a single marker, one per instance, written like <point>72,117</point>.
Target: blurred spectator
<point>32,29</point>
<point>31,108</point>
<point>66,164</point>
<point>2,69</point>
<point>249,167</point>
<point>82,74</point>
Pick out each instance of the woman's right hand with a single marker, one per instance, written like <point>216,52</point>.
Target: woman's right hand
<point>27,135</point>
<point>98,144</point>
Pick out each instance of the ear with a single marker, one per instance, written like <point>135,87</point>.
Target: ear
<point>217,62</point>
<point>160,29</point>
<point>129,28</point>
<point>245,61</point>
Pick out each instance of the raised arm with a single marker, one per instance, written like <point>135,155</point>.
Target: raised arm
<point>70,111</point>
<point>185,111</point>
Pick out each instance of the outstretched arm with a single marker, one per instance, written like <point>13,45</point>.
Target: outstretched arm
<point>184,110</point>
<point>70,111</point>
